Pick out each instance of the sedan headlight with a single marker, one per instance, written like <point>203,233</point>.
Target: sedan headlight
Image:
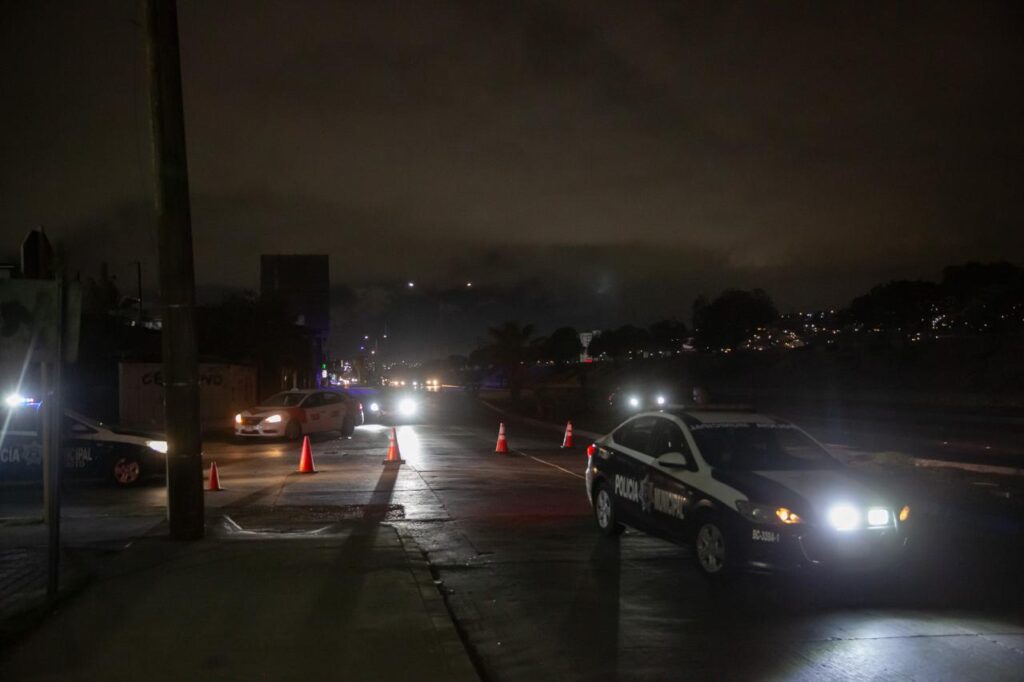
<point>158,445</point>
<point>238,418</point>
<point>273,419</point>
<point>767,513</point>
<point>844,517</point>
<point>407,407</point>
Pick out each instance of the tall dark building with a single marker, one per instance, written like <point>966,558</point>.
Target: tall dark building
<point>301,284</point>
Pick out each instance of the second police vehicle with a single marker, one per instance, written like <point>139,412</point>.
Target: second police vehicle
<point>745,490</point>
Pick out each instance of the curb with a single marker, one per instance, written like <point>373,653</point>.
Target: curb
<point>966,466</point>
<point>460,665</point>
<point>916,461</point>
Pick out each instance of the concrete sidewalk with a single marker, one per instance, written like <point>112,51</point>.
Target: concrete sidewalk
<point>353,604</point>
<point>298,577</point>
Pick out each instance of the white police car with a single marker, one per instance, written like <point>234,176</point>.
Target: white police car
<point>90,449</point>
<point>745,490</point>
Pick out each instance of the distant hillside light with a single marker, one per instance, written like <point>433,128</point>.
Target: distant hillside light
<point>412,284</point>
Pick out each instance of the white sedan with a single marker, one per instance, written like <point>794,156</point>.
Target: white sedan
<point>292,414</point>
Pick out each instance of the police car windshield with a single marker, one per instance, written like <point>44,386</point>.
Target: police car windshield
<point>283,400</point>
<point>759,447</point>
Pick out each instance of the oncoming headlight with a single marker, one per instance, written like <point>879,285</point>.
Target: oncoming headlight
<point>374,407</point>
<point>238,418</point>
<point>273,419</point>
<point>406,407</point>
<point>634,401</point>
<point>158,445</point>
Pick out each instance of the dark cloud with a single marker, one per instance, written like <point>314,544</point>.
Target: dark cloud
<point>618,158</point>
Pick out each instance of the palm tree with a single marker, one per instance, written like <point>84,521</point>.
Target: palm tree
<point>509,349</point>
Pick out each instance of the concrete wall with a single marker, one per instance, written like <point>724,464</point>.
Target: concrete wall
<point>224,390</point>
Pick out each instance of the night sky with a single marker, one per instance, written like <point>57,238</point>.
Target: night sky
<point>585,163</point>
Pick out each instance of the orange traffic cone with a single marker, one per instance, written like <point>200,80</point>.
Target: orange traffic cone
<point>502,445</point>
<point>214,483</point>
<point>306,460</point>
<point>394,456</point>
<point>567,440</point>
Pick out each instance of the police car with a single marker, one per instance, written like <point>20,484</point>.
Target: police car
<point>90,449</point>
<point>291,414</point>
<point>745,490</point>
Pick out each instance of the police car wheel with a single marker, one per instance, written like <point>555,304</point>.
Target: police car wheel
<point>127,471</point>
<point>604,511</point>
<point>710,548</point>
<point>293,431</point>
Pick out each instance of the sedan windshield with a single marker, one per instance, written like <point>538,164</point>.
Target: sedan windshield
<point>285,399</point>
<point>758,447</point>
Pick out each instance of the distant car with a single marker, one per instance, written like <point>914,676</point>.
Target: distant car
<point>90,450</point>
<point>633,399</point>
<point>392,405</point>
<point>293,414</point>
<point>745,490</point>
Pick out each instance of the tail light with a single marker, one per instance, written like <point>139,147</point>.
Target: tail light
<point>591,449</point>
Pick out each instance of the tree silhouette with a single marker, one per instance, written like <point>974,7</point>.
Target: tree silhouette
<point>510,347</point>
<point>562,346</point>
<point>730,319</point>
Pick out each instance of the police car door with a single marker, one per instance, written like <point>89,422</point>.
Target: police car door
<point>629,470</point>
<point>85,456</point>
<point>672,472</point>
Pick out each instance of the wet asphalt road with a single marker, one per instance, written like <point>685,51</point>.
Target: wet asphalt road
<point>538,595</point>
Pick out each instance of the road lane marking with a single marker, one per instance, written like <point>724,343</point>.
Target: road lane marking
<point>535,459</point>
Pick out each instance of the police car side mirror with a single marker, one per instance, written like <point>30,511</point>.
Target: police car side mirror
<point>674,460</point>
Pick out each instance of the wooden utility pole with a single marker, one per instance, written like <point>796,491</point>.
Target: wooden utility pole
<point>177,278</point>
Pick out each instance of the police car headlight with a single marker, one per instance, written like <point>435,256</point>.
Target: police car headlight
<point>844,517</point>
<point>273,419</point>
<point>878,517</point>
<point>374,407</point>
<point>407,407</point>
<point>158,445</point>
<point>766,513</point>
